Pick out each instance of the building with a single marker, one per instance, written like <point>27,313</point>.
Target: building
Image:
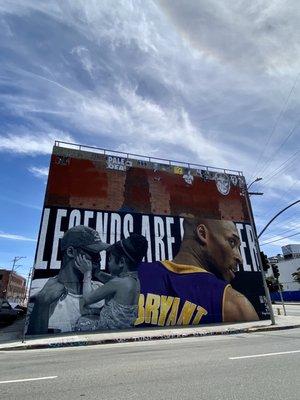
<point>291,251</point>
<point>12,286</point>
<point>287,265</point>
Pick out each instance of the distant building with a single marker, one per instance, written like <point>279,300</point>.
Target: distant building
<point>288,263</point>
<point>291,251</point>
<point>12,286</point>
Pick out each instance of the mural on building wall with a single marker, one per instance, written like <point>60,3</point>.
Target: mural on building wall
<point>127,243</point>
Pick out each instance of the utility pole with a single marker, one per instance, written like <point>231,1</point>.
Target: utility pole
<point>263,275</point>
<point>27,288</point>
<point>14,261</point>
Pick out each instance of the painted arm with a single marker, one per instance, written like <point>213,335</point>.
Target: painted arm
<point>87,290</point>
<point>87,287</point>
<point>103,276</point>
<point>39,318</point>
<point>107,290</point>
<point>237,308</point>
<point>85,266</point>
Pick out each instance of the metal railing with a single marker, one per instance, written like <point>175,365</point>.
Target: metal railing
<point>140,157</point>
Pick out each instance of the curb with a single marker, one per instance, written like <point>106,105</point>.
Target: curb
<point>271,328</point>
<point>91,342</point>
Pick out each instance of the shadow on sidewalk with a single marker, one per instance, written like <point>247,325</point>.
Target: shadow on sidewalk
<point>13,331</point>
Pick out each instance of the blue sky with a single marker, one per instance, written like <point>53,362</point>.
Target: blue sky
<point>210,82</point>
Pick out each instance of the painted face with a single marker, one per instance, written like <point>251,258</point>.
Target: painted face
<point>223,249</point>
<point>114,267</point>
<point>223,183</point>
<point>95,258</point>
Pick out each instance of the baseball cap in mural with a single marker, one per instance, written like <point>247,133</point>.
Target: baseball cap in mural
<point>135,247</point>
<point>84,237</point>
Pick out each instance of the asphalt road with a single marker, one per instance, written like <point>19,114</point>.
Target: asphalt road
<point>191,368</point>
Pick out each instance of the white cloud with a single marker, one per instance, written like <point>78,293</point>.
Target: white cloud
<point>134,55</point>
<point>39,172</point>
<point>84,57</point>
<point>285,180</point>
<point>249,35</point>
<point>31,144</point>
<point>199,81</point>
<point>138,124</point>
<point>19,203</point>
<point>11,236</point>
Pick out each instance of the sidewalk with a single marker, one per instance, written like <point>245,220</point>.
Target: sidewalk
<point>13,340</point>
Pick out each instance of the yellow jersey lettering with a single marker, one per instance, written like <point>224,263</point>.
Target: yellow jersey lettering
<point>151,308</point>
<point>165,305</point>
<point>186,313</point>
<point>200,313</point>
<point>172,318</point>
<point>141,312</point>
<point>163,311</point>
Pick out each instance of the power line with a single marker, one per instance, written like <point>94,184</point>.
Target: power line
<point>277,203</point>
<point>282,111</point>
<point>283,220</point>
<point>277,215</point>
<point>291,132</point>
<point>280,169</point>
<point>277,240</point>
<point>283,224</point>
<point>275,232</point>
<point>270,174</point>
<point>281,233</point>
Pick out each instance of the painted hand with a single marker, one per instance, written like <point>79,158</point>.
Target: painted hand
<point>83,264</point>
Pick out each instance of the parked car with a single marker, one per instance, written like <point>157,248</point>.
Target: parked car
<point>8,314</point>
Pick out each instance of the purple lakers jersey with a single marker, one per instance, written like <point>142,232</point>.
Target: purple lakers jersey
<point>177,294</point>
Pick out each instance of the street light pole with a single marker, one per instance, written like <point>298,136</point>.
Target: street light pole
<point>271,220</point>
<point>275,216</point>
<point>255,180</point>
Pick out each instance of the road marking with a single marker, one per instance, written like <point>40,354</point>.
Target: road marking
<point>29,379</point>
<point>265,354</point>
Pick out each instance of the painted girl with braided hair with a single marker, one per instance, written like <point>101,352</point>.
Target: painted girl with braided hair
<point>121,288</point>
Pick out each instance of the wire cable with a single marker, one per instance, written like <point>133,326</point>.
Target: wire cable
<point>268,162</point>
<point>281,233</point>
<point>277,240</point>
<point>280,168</point>
<point>282,111</point>
<point>278,202</point>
